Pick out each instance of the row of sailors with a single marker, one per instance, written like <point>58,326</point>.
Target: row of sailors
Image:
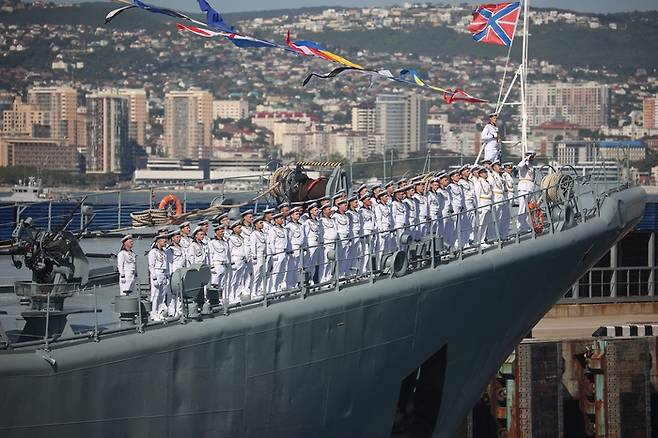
<point>254,254</point>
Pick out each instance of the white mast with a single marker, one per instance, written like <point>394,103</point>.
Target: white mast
<point>524,78</point>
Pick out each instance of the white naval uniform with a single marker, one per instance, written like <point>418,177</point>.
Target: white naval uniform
<point>127,267</point>
<point>258,249</point>
<point>498,189</point>
<point>220,261</point>
<point>434,200</point>
<point>355,248</point>
<point>458,217</point>
<point>238,248</point>
<point>197,254</point>
<point>467,218</point>
<point>185,242</point>
<point>247,230</point>
<point>506,214</point>
<point>176,259</point>
<point>414,217</point>
<point>344,229</point>
<point>160,290</point>
<point>400,219</point>
<point>385,227</point>
<point>329,237</point>
<point>447,220</point>
<point>423,214</point>
<point>525,187</point>
<point>485,218</point>
<point>489,138</point>
<point>369,241</point>
<point>297,238</point>
<point>278,245</point>
<point>313,260</point>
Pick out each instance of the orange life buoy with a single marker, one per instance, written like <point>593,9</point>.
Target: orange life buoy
<point>536,217</point>
<point>169,199</point>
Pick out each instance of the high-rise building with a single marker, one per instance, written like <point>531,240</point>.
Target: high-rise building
<point>649,113</point>
<point>188,124</point>
<point>402,120</point>
<point>108,148</point>
<point>61,105</point>
<point>584,104</point>
<point>139,115</point>
<point>230,109</point>
<point>437,128</point>
<point>23,119</point>
<point>40,153</point>
<point>363,119</point>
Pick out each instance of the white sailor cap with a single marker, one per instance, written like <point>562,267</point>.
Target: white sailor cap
<point>220,228</point>
<point>163,230</point>
<point>375,187</point>
<point>277,216</point>
<point>269,210</point>
<point>508,164</point>
<point>246,212</point>
<point>203,222</point>
<point>235,224</point>
<point>258,219</point>
<point>222,216</point>
<point>366,195</point>
<point>196,230</point>
<point>389,184</point>
<point>454,172</point>
<point>530,153</point>
<point>382,193</point>
<point>483,169</point>
<point>284,205</point>
<point>126,238</point>
<point>496,162</point>
<point>183,225</point>
<point>485,161</point>
<point>312,205</point>
<point>326,205</point>
<point>464,167</point>
<point>493,115</point>
<point>400,190</point>
<point>402,182</point>
<point>323,199</point>
<point>341,201</point>
<point>160,236</point>
<point>435,179</point>
<point>361,187</point>
<point>337,196</point>
<point>295,210</point>
<point>174,233</point>
<point>352,198</point>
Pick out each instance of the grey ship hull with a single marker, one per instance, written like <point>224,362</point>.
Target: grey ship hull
<point>330,365</point>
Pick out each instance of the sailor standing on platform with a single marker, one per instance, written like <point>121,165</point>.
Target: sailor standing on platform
<point>205,226</point>
<point>423,208</point>
<point>485,218</point>
<point>313,231</point>
<point>369,230</point>
<point>390,188</point>
<point>185,238</point>
<point>385,226</point>
<point>400,214</point>
<point>434,207</point>
<point>447,221</point>
<point>127,266</point>
<point>525,188</point>
<point>489,139</point>
<point>247,229</point>
<point>220,260</point>
<point>268,222</point>
<point>159,274</point>
<point>458,218</point>
<point>412,208</point>
<point>258,250</point>
<point>224,221</point>
<point>238,248</point>
<point>467,219</point>
<point>362,190</point>
<point>355,249</point>
<point>297,239</point>
<point>506,214</point>
<point>176,259</point>
<point>278,248</point>
<point>197,252</point>
<point>345,236</point>
<point>498,186</point>
<point>329,237</point>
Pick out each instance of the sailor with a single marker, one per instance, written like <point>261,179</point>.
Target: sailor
<point>484,193</point>
<point>355,248</point>
<point>376,190</point>
<point>197,252</point>
<point>336,198</point>
<point>329,237</point>
<point>423,208</point>
<point>385,226</point>
<point>297,239</point>
<point>127,265</point>
<point>412,208</point>
<point>185,238</point>
<point>284,208</point>
<point>458,216</point>
<point>313,230</point>
<point>159,274</point>
<point>525,188</point>
<point>205,226</point>
<point>468,219</point>
<point>176,259</point>
<point>225,221</point>
<point>498,188</point>
<point>447,220</point>
<point>434,200</point>
<point>505,214</point>
<point>390,188</point>
<point>268,222</point>
<point>369,232</point>
<point>489,138</point>
<point>345,236</point>
<point>362,190</point>
<point>258,251</point>
<point>400,212</point>
<point>247,229</point>
<point>278,248</point>
<point>238,249</point>
<point>220,259</point>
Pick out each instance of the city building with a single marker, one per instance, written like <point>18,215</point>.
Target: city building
<point>81,128</point>
<point>267,119</point>
<point>363,119</point>
<point>23,119</point>
<point>578,152</point>
<point>402,120</point>
<point>649,113</point>
<point>622,150</point>
<point>582,104</point>
<point>60,104</point>
<point>230,109</point>
<point>139,113</point>
<point>188,124</point>
<point>38,153</point>
<point>355,146</point>
<point>437,128</point>
<point>108,147</point>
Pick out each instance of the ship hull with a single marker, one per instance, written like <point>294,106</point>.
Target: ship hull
<point>331,365</point>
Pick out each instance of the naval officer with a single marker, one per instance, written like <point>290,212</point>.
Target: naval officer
<point>176,259</point>
<point>159,274</point>
<point>238,249</point>
<point>313,230</point>
<point>277,248</point>
<point>258,250</point>
<point>220,259</point>
<point>329,237</point>
<point>525,188</point>
<point>127,266</point>
<point>489,138</point>
<point>297,240</point>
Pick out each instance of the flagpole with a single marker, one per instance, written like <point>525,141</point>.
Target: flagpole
<point>524,77</point>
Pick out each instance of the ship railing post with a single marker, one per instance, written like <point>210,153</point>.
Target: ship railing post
<point>495,208</point>
<point>266,277</point>
<point>336,263</point>
<point>459,234</point>
<point>45,335</point>
<point>50,214</point>
<point>82,217</point>
<point>96,339</point>
<point>140,322</point>
<point>575,290</point>
<point>225,279</point>
<point>119,210</point>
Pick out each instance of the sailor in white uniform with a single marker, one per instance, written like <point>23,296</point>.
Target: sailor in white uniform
<point>313,230</point>
<point>345,236</point>
<point>258,251</point>
<point>185,235</point>
<point>355,248</point>
<point>238,248</point>
<point>458,216</point>
<point>369,230</point>
<point>176,259</point>
<point>247,229</point>
<point>447,221</point>
<point>506,214</point>
<point>277,249</point>
<point>468,218</point>
<point>197,252</point>
<point>220,260</point>
<point>224,221</point>
<point>423,208</point>
<point>485,194</point>
<point>127,266</point>
<point>268,222</point>
<point>489,139</point>
<point>400,212</point>
<point>390,188</point>
<point>329,237</point>
<point>159,274</point>
<point>385,226</point>
<point>498,188</point>
<point>525,188</point>
<point>412,208</point>
<point>434,207</point>
<point>362,190</point>
<point>297,239</point>
<point>205,226</point>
